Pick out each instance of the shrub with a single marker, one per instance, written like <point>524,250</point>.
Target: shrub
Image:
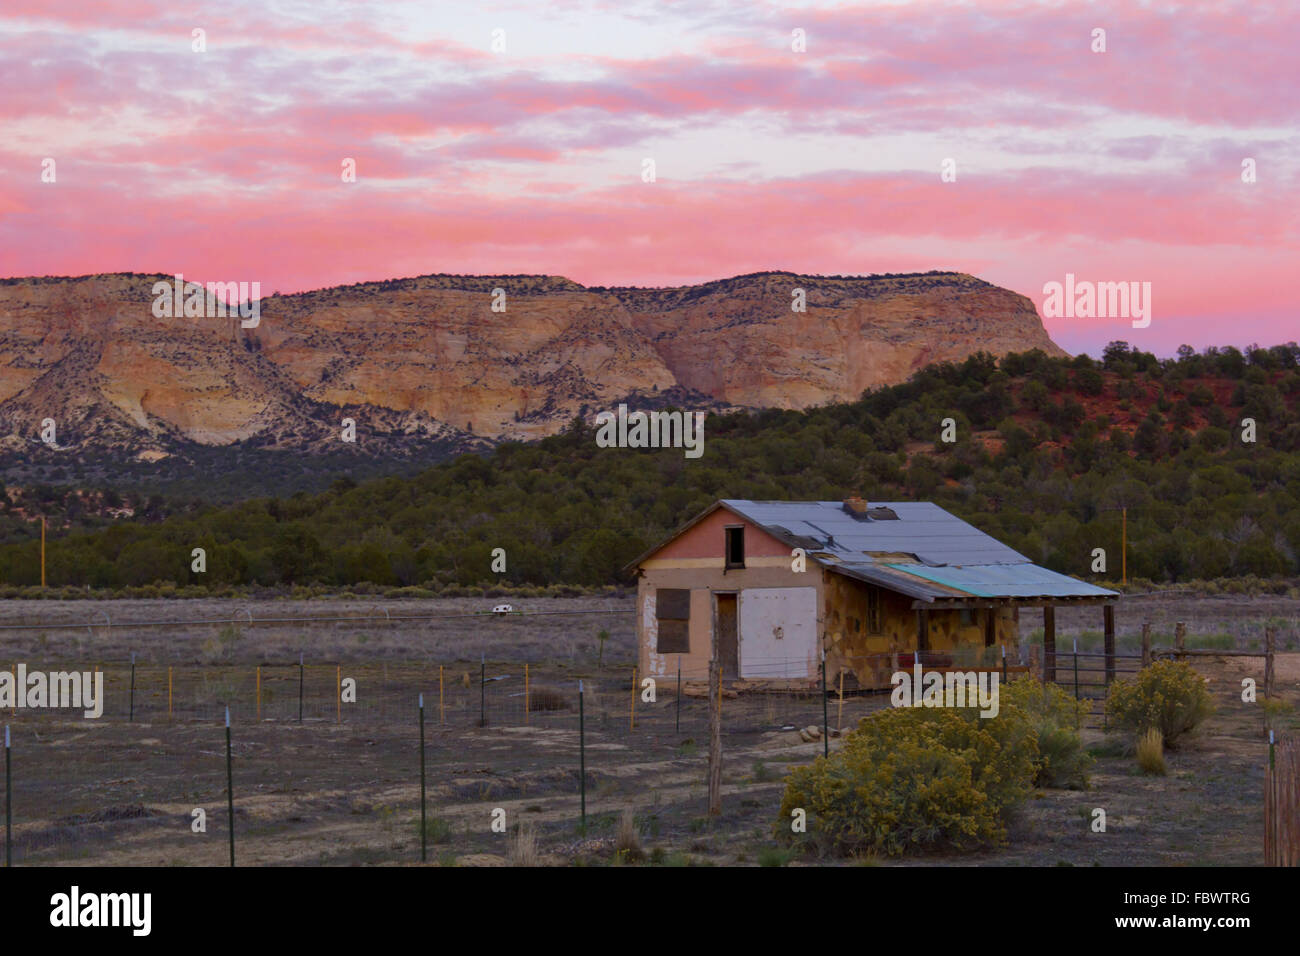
<point>774,856</point>
<point>437,830</point>
<point>547,698</point>
<point>1151,752</point>
<point>1054,717</point>
<point>523,849</point>
<point>627,839</point>
<point>1168,695</point>
<point>915,779</point>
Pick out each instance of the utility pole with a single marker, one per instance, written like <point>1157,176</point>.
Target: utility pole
<point>1123,546</point>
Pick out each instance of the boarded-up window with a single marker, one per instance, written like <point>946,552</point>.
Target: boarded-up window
<point>875,619</point>
<point>673,611</point>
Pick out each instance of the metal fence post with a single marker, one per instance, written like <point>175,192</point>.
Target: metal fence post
<point>424,829</point>
<point>9,804</point>
<point>230,791</point>
<point>582,757</point>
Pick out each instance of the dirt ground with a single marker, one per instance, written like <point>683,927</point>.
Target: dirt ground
<point>342,785</point>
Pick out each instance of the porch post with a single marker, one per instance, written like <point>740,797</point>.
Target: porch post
<point>922,630</point>
<point>1049,643</point>
<point>1108,616</point>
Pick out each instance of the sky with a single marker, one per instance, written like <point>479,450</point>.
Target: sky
<point>507,138</point>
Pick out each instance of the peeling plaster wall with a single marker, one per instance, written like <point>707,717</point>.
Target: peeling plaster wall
<point>869,657</point>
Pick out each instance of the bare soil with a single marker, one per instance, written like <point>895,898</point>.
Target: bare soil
<point>342,786</point>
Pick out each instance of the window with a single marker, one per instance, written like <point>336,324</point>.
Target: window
<point>673,612</point>
<point>875,619</point>
<point>736,547</point>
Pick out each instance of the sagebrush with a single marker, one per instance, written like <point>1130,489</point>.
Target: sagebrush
<point>1168,695</point>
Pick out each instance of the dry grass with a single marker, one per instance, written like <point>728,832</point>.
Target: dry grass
<point>1151,752</point>
<point>523,849</point>
<point>627,839</point>
<point>548,698</point>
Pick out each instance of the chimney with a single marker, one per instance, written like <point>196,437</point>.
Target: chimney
<point>855,505</point>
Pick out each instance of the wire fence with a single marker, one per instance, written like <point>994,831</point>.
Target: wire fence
<point>325,753</point>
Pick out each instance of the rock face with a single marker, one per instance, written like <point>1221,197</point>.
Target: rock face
<point>428,359</point>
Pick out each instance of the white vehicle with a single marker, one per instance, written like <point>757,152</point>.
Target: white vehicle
<point>503,609</point>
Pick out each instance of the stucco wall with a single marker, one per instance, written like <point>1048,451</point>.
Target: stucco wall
<point>694,561</point>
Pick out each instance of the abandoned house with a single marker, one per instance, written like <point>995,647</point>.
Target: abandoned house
<point>868,583</point>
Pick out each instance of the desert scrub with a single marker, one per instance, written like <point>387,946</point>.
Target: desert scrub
<point>915,780</point>
<point>1168,695</point>
<point>1054,716</point>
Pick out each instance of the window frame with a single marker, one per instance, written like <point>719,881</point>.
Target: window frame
<point>727,537</point>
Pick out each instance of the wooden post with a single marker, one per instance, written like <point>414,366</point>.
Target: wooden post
<point>442,712</point>
<point>525,693</point>
<point>338,691</point>
<point>1123,547</point>
<point>1146,643</point>
<point>42,551</point>
<point>169,693</point>
<point>715,720</point>
<point>922,630</point>
<point>1108,624</point>
<point>259,691</point>
<point>1270,805</point>
<point>1269,647</point>
<point>1049,643</point>
<point>1180,639</point>
<point>631,713</point>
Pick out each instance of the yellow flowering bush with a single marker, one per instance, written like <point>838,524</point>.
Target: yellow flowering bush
<point>915,779</point>
<point>1168,695</point>
<point>1054,716</point>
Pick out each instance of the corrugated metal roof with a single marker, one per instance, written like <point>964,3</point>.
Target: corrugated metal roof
<point>1005,580</point>
<point>954,559</point>
<point>922,528</point>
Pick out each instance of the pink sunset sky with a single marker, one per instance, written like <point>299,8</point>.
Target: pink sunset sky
<point>226,164</point>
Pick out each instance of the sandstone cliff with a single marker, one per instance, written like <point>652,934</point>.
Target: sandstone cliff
<point>428,360</point>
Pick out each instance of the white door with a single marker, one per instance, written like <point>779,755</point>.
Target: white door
<point>778,633</point>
